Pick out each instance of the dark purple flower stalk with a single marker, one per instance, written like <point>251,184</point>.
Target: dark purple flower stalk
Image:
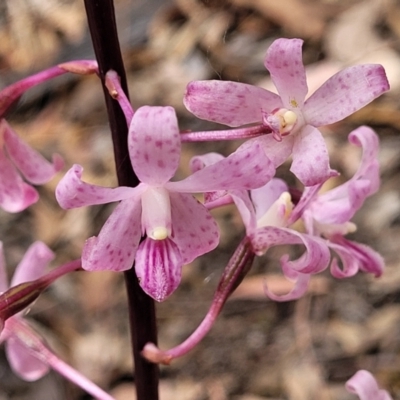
<point>101,18</point>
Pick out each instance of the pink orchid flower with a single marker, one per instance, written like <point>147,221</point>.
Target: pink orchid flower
<point>328,214</point>
<point>364,385</point>
<point>266,214</point>
<point>25,365</point>
<point>292,120</point>
<point>28,355</point>
<point>18,158</point>
<point>177,226</point>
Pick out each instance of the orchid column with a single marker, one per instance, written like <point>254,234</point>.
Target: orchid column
<point>101,19</point>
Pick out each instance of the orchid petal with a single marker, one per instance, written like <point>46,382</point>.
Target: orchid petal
<point>340,206</point>
<point>354,257</point>
<point>229,103</point>
<point>364,385</point>
<point>246,168</point>
<point>366,138</point>
<point>310,157</point>
<point>158,266</point>
<point>315,258</point>
<point>299,289</point>
<point>22,362</point>
<point>154,144</point>
<point>284,62</point>
<point>341,203</point>
<point>246,209</point>
<point>72,192</point>
<point>3,271</point>
<point>345,93</point>
<point>115,247</point>
<point>15,194</point>
<point>308,195</point>
<point>266,195</point>
<point>33,264</point>
<point>194,230</point>
<point>33,166</point>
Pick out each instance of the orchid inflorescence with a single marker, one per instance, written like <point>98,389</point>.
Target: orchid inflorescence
<point>159,226</point>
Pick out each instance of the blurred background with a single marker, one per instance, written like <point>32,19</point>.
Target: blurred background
<point>258,349</point>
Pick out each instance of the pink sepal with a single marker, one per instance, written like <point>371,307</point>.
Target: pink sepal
<point>33,166</point>
<point>284,62</point>
<point>301,282</point>
<point>33,264</point>
<point>345,93</point>
<point>248,168</point>
<point>72,192</point>
<point>115,247</point>
<point>364,385</point>
<point>22,362</point>
<point>154,144</point>
<point>15,194</point>
<point>354,256</point>
<point>229,103</point>
<point>310,157</point>
<point>315,258</point>
<point>194,230</point>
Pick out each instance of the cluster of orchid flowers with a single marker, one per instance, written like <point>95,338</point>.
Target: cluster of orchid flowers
<point>159,226</point>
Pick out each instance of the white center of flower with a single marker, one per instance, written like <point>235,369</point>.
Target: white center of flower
<point>279,212</point>
<point>281,122</point>
<point>156,213</point>
<point>159,233</point>
<point>289,118</point>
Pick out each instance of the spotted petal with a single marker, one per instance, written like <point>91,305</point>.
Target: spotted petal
<point>310,157</point>
<point>315,258</point>
<point>285,64</point>
<point>194,230</point>
<point>229,103</point>
<point>72,192</point>
<point>154,144</point>
<point>345,93</point>
<point>115,247</point>
<point>246,168</point>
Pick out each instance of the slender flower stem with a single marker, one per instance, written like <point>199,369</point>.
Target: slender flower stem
<point>102,25</point>
<point>18,329</point>
<point>236,269</point>
<point>228,134</point>
<point>11,93</point>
